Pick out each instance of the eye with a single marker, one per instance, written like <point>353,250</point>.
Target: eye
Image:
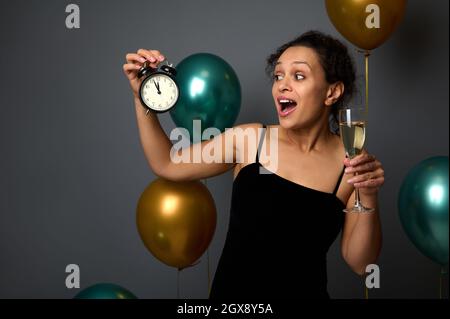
<point>299,76</point>
<point>277,77</point>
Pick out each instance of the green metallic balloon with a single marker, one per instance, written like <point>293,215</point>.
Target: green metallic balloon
<point>423,207</point>
<point>209,91</point>
<point>105,291</point>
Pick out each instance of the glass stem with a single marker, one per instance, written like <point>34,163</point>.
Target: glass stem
<point>357,202</point>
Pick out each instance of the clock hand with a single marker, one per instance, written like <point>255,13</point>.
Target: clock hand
<point>157,86</point>
<point>159,90</point>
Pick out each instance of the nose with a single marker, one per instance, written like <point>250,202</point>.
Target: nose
<point>284,85</point>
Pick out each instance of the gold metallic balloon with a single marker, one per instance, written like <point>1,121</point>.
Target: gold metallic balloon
<point>176,221</point>
<point>349,17</point>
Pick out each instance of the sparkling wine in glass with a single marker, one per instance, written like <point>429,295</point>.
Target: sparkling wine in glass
<point>352,128</point>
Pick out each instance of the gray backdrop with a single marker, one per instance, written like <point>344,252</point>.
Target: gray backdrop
<point>72,168</point>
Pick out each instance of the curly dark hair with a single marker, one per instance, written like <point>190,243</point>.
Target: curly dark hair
<point>335,60</point>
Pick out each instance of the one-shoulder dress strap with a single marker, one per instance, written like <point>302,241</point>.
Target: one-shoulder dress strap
<point>339,181</point>
<point>261,140</point>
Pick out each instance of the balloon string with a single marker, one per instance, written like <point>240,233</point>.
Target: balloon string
<point>366,58</point>
<point>178,283</point>
<point>441,277</point>
<point>209,278</point>
<point>207,256</point>
<point>366,291</point>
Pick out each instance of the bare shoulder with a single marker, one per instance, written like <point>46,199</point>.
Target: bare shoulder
<point>254,126</point>
<point>245,132</point>
<point>245,137</point>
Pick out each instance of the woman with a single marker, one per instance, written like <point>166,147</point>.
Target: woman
<point>282,224</point>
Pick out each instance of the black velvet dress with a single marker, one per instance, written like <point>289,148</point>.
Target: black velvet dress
<point>278,237</point>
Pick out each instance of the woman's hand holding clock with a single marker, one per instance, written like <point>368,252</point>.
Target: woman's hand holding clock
<point>135,61</point>
<point>144,76</point>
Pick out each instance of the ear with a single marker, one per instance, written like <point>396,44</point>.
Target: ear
<point>334,93</point>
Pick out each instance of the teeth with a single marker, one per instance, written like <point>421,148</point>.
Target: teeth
<point>286,101</point>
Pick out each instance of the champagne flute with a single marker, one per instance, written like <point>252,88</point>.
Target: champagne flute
<point>352,127</point>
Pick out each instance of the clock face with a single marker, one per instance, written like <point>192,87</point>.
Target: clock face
<point>159,92</point>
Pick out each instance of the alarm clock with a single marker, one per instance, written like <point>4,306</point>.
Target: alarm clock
<point>159,90</point>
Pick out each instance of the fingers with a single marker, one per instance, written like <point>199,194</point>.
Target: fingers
<point>131,70</point>
<point>364,167</point>
<point>153,56</point>
<point>372,179</point>
<point>371,183</point>
<point>131,67</point>
<point>133,57</point>
<point>366,176</point>
<point>368,171</point>
<point>136,60</point>
<point>364,157</point>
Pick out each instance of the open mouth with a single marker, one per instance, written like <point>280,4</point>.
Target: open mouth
<point>286,106</point>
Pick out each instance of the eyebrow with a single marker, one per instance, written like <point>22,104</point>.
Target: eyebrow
<point>295,62</point>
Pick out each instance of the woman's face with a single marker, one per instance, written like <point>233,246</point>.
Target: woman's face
<point>300,88</point>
